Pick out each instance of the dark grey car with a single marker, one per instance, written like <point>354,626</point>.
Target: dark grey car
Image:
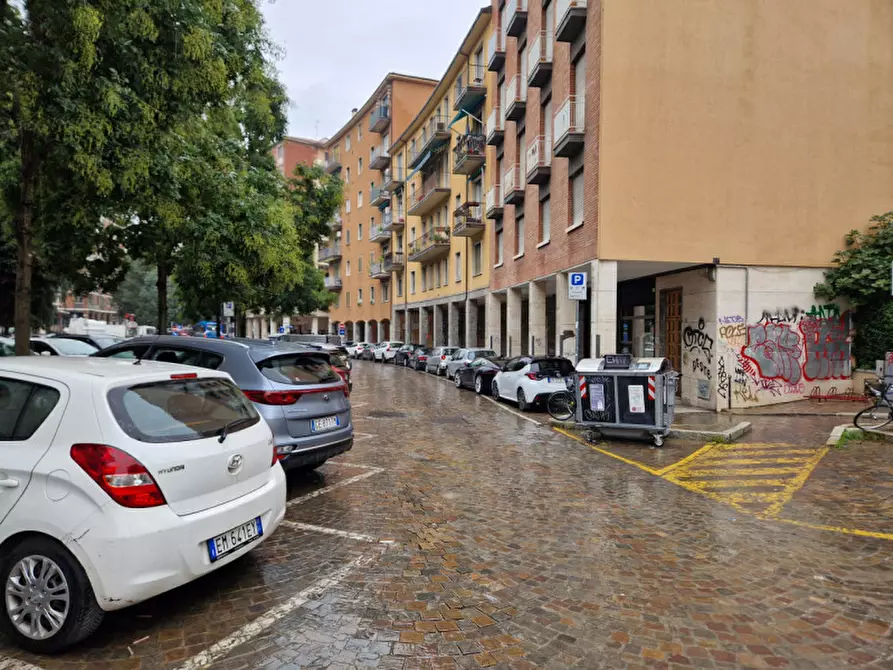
<point>295,388</point>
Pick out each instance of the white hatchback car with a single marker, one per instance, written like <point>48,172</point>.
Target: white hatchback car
<point>385,351</point>
<point>119,482</point>
<point>530,381</point>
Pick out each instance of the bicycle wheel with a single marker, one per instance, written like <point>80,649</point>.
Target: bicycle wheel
<point>562,406</point>
<point>874,418</point>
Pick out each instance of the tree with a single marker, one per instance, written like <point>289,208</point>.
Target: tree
<point>862,276</point>
<point>91,92</point>
<point>137,295</point>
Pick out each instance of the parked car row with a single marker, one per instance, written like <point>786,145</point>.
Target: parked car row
<point>140,513</point>
<point>525,380</point>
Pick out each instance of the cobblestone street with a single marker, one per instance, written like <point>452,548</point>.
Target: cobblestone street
<point>456,534</point>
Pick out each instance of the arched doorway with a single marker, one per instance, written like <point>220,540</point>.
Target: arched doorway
<point>361,331</point>
<point>348,330</point>
<point>384,328</point>
<point>372,329</point>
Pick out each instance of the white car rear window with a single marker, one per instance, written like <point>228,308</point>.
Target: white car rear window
<point>181,410</point>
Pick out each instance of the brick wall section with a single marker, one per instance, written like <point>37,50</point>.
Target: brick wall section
<point>565,249</point>
<point>297,152</point>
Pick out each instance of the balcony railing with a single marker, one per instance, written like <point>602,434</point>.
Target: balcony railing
<point>380,118</point>
<point>393,221</point>
<point>392,179</point>
<point>433,244</point>
<point>434,192</point>
<point>571,19</point>
<point>378,233</point>
<point>471,88</point>
<point>494,202</point>
<point>333,283</point>
<point>335,223</point>
<point>468,220</point>
<point>570,126</point>
<point>330,253</point>
<point>517,99</point>
<point>495,52</point>
<point>333,163</point>
<point>515,17</point>
<point>435,134</point>
<point>513,186</point>
<point>495,127</point>
<point>379,196</point>
<point>379,159</point>
<point>393,261</point>
<point>539,60</point>
<point>469,153</point>
<point>539,160</point>
<point>378,271</point>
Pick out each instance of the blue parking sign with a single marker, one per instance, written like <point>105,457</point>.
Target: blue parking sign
<point>576,286</point>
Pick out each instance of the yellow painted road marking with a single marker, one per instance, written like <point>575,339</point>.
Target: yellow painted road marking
<point>743,483</point>
<point>742,472</point>
<point>713,460</point>
<point>769,453</point>
<point>798,482</point>
<point>837,529</point>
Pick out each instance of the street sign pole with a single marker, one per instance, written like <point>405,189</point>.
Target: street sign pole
<point>578,338</point>
<point>577,289</point>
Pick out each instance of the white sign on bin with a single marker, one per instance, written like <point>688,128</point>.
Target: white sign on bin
<point>576,286</point>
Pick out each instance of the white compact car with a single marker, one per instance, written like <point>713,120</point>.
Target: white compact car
<point>530,381</point>
<point>386,351</point>
<point>357,349</point>
<point>118,482</point>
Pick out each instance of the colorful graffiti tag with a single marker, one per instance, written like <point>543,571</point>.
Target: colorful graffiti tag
<point>775,349</point>
<point>826,342</point>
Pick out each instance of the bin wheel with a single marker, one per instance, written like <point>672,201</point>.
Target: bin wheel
<point>594,436</point>
<point>658,441</point>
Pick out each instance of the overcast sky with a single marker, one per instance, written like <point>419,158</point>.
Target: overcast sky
<point>337,51</point>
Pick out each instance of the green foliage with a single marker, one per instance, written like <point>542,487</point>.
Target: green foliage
<point>45,288</point>
<point>138,295</point>
<point>862,272</point>
<point>856,435</point>
<point>874,333</point>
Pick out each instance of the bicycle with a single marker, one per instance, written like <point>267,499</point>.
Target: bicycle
<point>881,413</point>
<point>562,405</point>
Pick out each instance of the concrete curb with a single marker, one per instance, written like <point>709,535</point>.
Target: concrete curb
<point>848,415</point>
<point>725,436</point>
<point>838,432</point>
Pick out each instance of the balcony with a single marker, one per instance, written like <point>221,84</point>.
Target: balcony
<point>432,245</point>
<point>330,253</point>
<point>539,160</point>
<point>569,127</point>
<point>469,154</point>
<point>333,283</point>
<point>571,17</point>
<point>515,17</point>
<point>513,186</point>
<point>335,223</point>
<point>468,220</point>
<point>378,271</point>
<point>517,99</point>
<point>471,88</point>
<point>494,202</point>
<point>394,261</point>
<point>434,193</point>
<point>379,233</point>
<point>379,159</point>
<point>539,60</point>
<point>496,52</point>
<point>333,163</point>
<point>495,127</point>
<point>393,221</point>
<point>434,135</point>
<point>379,196</point>
<point>380,117</point>
<point>392,179</point>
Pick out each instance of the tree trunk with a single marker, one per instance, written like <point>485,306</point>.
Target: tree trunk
<point>24,235</point>
<point>161,287</point>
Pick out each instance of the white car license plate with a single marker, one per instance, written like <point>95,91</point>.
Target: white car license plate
<point>326,423</point>
<point>227,542</point>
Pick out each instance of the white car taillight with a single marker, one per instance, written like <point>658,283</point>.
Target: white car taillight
<point>119,474</point>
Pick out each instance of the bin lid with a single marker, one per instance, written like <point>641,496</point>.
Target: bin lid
<point>649,364</point>
<point>590,365</point>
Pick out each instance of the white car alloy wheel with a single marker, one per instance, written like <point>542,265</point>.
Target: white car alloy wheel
<point>37,597</point>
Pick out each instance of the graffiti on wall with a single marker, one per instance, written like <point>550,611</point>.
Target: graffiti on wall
<point>775,349</point>
<point>698,341</point>
<point>699,367</point>
<point>827,346</point>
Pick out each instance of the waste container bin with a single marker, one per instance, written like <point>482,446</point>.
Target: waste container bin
<point>622,396</point>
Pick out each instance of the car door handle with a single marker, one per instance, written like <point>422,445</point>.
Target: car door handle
<point>9,483</point>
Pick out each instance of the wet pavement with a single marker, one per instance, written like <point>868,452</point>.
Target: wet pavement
<point>458,535</point>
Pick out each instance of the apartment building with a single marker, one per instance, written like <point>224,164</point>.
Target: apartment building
<point>289,153</point>
<point>702,162</point>
<point>442,287</point>
<point>360,255</point>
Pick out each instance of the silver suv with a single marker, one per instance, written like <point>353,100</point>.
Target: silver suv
<point>295,388</point>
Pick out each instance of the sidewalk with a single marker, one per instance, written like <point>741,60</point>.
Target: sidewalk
<point>841,408</point>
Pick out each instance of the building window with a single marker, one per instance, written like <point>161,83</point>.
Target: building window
<point>359,296</point>
<point>360,265</point>
<point>359,132</point>
<point>437,275</point>
<point>400,286</point>
<point>499,236</point>
<point>424,279</point>
<point>477,258</point>
<point>545,220</point>
<point>386,292</point>
<point>412,283</point>
<point>360,165</point>
<point>347,142</point>
<point>347,176</point>
<point>519,235</point>
<point>458,265</point>
<point>371,295</point>
<point>446,271</point>
<point>360,198</point>
<point>400,241</point>
<point>347,269</point>
<point>347,299</point>
<point>347,205</point>
<point>577,199</point>
<point>359,231</point>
